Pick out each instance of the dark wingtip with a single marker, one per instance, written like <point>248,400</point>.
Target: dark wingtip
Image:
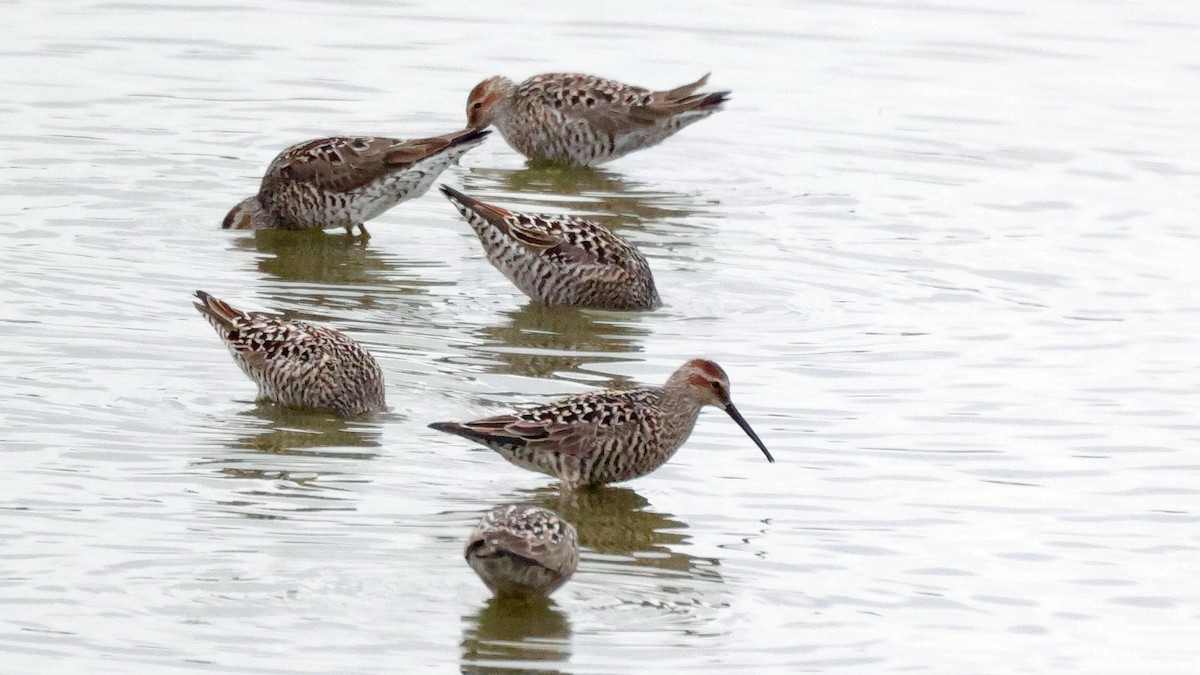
<point>463,430</point>
<point>448,427</point>
<point>715,99</point>
<point>492,214</point>
<point>472,135</point>
<point>455,196</point>
<point>204,304</point>
<point>201,304</point>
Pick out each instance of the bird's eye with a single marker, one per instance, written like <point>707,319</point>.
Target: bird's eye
<point>477,106</point>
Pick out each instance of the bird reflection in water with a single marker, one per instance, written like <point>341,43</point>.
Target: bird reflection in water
<point>617,521</point>
<point>314,257</point>
<point>506,632</point>
<point>545,342</point>
<point>302,433</point>
<point>334,280</point>
<point>296,461</point>
<point>597,194</point>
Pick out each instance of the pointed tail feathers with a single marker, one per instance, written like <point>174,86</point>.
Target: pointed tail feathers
<point>685,98</point>
<point>467,135</point>
<point>220,314</point>
<point>684,91</point>
<point>713,100</point>
<point>469,205</point>
<point>452,428</point>
<point>411,152</point>
<point>467,431</point>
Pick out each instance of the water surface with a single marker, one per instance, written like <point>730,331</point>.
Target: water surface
<point>945,251</point>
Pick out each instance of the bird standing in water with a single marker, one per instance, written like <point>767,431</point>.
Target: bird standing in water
<point>582,120</point>
<point>607,436</point>
<point>344,181</point>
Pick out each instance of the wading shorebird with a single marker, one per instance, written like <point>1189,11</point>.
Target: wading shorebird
<point>560,260</point>
<point>345,181</point>
<point>607,436</point>
<point>297,364</point>
<point>582,120</point>
<point>523,552</point>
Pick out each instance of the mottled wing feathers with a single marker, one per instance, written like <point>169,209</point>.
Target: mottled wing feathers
<point>582,241</point>
<point>497,542</point>
<point>574,440</point>
<point>571,426</point>
<point>604,274</point>
<point>298,364</point>
<point>571,91</point>
<point>604,408</point>
<point>609,106</point>
<point>346,163</point>
<point>259,339</point>
<point>339,164</point>
<point>526,535</point>
<point>568,239</point>
<point>527,232</point>
<point>274,340</point>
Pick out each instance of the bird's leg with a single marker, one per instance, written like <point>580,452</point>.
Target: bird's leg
<point>350,231</point>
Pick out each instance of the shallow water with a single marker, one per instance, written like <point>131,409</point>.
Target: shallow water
<point>944,251</point>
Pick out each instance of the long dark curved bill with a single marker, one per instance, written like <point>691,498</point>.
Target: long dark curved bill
<point>737,417</point>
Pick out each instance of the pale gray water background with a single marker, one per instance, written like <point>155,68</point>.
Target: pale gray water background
<point>946,251</point>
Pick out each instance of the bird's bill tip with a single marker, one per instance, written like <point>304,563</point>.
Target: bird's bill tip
<point>741,421</point>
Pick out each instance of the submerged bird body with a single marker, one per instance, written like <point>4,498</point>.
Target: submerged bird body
<point>345,181</point>
<point>607,436</point>
<point>582,120</point>
<point>297,364</point>
<point>523,551</point>
<point>561,260</point>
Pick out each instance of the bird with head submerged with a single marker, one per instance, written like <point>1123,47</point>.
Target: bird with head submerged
<point>523,552</point>
<point>561,260</point>
<point>583,120</point>
<point>298,364</point>
<point>344,181</point>
<point>607,436</point>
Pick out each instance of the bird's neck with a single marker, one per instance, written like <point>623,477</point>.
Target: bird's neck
<point>677,414</point>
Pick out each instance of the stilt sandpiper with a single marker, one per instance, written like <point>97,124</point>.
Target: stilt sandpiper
<point>560,260</point>
<point>523,551</point>
<point>297,364</point>
<point>576,119</point>
<point>345,181</point>
<point>607,436</point>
